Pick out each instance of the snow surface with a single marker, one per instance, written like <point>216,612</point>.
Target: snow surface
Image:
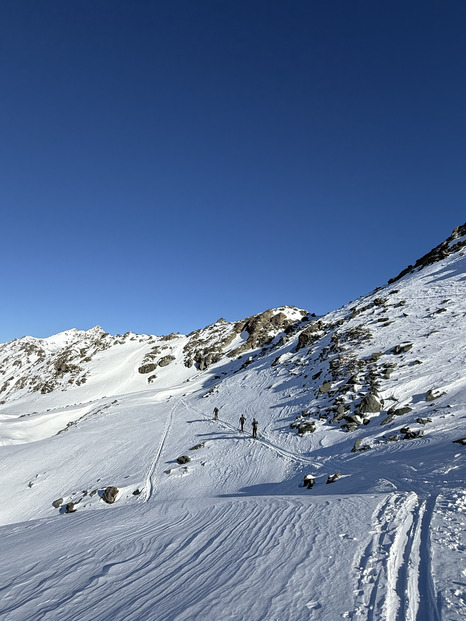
<point>233,534</point>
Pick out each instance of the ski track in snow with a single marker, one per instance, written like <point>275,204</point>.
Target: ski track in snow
<point>394,567</point>
<point>151,474</point>
<point>261,439</point>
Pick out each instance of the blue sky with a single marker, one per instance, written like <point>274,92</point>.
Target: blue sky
<point>163,164</point>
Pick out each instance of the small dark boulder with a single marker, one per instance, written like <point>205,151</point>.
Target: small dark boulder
<point>349,427</point>
<point>411,435</point>
<point>306,427</point>
<point>110,494</point>
<point>401,411</point>
<point>166,360</point>
<point>423,421</point>
<point>387,420</point>
<point>460,441</point>
<point>147,368</point>
<point>333,477</point>
<point>402,349</point>
<point>431,396</point>
<point>184,459</point>
<point>370,403</point>
<point>357,446</point>
<point>57,503</point>
<point>69,508</point>
<point>326,387</point>
<point>197,446</point>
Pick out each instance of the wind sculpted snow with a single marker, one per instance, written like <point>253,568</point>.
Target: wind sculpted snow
<point>371,397</point>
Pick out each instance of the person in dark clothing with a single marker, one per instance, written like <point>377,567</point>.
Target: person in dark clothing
<point>254,428</point>
<point>242,420</point>
<point>215,413</point>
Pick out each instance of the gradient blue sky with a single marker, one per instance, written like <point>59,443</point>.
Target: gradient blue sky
<point>163,164</point>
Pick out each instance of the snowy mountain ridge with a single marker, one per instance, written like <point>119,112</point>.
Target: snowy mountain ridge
<point>368,403</point>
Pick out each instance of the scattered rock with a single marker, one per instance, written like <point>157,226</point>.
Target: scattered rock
<point>402,349</point>
<point>400,411</point>
<point>357,446</point>
<point>438,253</point>
<point>411,435</point>
<point>197,447</point>
<point>57,503</point>
<point>184,459</point>
<point>306,427</point>
<point>110,494</point>
<point>430,396</point>
<point>333,477</point>
<point>370,404</point>
<point>389,419</point>
<point>69,508</point>
<point>166,360</point>
<point>423,421</point>
<point>136,492</point>
<point>325,388</point>
<point>460,441</point>
<point>147,368</point>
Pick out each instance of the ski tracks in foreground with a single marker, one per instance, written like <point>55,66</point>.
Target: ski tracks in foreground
<point>395,579</point>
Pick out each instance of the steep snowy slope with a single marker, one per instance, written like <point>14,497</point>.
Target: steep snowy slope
<point>371,396</point>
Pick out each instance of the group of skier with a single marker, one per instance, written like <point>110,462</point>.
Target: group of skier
<point>242,420</point>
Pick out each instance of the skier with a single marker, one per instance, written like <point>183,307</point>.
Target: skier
<point>242,420</point>
<point>215,413</point>
<point>254,428</point>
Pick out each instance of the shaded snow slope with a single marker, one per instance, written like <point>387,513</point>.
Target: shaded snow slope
<point>374,393</point>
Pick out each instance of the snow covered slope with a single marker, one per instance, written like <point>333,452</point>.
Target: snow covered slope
<point>369,401</point>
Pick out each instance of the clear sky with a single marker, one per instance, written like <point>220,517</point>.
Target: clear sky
<point>164,164</point>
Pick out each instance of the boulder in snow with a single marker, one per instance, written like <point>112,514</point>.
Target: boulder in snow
<point>110,494</point>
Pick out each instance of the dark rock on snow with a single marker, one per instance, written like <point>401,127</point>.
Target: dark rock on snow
<point>110,494</point>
